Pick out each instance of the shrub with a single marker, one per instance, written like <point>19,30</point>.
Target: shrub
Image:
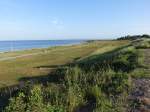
<point>16,104</point>
<point>35,100</point>
<point>53,108</point>
<point>115,83</point>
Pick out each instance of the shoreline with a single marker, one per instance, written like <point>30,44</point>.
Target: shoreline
<point>42,48</point>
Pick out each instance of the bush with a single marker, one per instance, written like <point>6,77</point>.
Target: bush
<point>51,108</point>
<point>35,101</point>
<point>115,84</point>
<point>16,104</point>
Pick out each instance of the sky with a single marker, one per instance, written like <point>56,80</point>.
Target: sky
<point>73,19</point>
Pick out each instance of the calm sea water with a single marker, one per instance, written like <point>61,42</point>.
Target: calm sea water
<point>29,44</point>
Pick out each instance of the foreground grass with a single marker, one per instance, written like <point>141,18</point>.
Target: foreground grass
<point>48,59</point>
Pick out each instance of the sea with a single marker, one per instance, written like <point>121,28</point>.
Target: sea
<point>6,46</point>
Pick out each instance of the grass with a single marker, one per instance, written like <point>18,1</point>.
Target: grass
<point>41,64</point>
<point>143,53</point>
<point>93,77</point>
<point>145,44</point>
<point>93,82</point>
<point>90,77</point>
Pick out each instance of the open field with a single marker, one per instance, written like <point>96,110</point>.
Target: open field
<point>28,65</point>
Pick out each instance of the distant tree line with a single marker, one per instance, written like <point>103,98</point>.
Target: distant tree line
<point>134,37</point>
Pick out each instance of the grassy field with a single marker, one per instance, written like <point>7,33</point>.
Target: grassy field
<point>89,77</point>
<point>95,76</point>
<point>45,60</point>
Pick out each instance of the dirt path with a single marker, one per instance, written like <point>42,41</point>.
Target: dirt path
<point>140,95</point>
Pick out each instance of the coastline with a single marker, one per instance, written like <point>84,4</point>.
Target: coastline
<point>42,48</point>
<point>11,55</point>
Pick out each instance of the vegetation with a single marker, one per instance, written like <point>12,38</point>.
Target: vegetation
<point>134,37</point>
<point>145,44</point>
<point>99,81</point>
<point>143,58</point>
<point>15,70</point>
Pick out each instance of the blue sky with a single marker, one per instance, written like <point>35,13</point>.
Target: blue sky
<point>73,19</point>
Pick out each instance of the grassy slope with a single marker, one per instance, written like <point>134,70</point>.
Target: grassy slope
<point>98,81</point>
<point>86,86</point>
<point>12,70</point>
<point>144,53</point>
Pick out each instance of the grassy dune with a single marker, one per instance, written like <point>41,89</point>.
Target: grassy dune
<point>28,66</point>
<point>90,77</point>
